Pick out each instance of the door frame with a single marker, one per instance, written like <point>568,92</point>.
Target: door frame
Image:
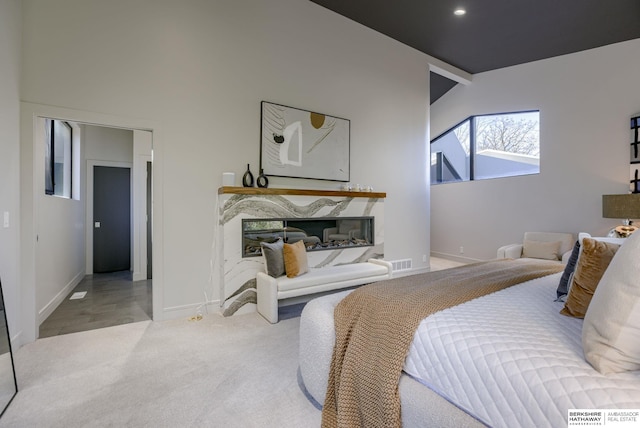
<point>89,209</point>
<point>31,186</point>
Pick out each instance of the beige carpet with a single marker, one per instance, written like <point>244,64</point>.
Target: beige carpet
<point>217,372</point>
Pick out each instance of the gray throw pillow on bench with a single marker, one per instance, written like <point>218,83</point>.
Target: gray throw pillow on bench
<point>273,257</point>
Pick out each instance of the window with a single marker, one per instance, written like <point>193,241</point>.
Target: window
<point>57,158</point>
<point>487,146</point>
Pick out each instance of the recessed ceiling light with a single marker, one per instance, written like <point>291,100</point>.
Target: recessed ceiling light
<point>459,11</point>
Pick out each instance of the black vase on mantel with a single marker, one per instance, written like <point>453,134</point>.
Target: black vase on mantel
<point>262,179</point>
<point>247,178</point>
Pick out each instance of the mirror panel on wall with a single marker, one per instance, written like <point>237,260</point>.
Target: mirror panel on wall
<point>8,384</point>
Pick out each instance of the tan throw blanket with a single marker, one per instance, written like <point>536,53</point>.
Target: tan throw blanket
<point>375,326</point>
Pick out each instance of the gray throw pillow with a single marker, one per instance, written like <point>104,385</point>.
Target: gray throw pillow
<point>563,286</point>
<point>273,257</point>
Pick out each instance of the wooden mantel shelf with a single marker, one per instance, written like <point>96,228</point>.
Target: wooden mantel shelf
<point>304,192</point>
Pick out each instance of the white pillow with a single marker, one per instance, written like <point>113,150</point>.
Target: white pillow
<point>583,235</point>
<point>611,329</point>
<point>541,249</point>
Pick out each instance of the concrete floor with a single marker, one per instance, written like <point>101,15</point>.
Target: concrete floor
<point>111,299</point>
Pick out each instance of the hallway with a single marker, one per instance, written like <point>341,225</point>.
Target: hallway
<point>111,299</point>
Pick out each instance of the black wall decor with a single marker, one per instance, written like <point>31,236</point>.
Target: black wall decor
<point>634,157</point>
<point>635,140</point>
<point>262,179</point>
<point>247,178</point>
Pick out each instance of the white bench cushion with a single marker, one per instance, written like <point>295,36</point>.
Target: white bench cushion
<point>317,280</point>
<point>331,274</point>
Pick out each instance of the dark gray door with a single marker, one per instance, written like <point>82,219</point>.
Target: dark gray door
<point>111,219</point>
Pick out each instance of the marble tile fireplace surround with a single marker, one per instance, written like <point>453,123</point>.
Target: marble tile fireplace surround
<point>237,269</point>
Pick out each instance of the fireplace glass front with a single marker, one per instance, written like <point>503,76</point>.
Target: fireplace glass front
<point>317,233</point>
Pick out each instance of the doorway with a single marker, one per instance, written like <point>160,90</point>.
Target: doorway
<point>37,298</point>
<point>108,293</point>
<point>115,205</point>
<point>112,289</point>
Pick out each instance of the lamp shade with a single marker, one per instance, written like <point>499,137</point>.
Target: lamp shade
<point>621,206</point>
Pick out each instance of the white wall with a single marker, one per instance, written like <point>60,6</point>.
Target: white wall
<point>585,100</point>
<point>200,69</point>
<point>60,236</point>
<point>110,144</point>
<point>10,39</point>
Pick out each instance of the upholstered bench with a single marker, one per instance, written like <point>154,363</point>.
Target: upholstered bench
<point>317,280</point>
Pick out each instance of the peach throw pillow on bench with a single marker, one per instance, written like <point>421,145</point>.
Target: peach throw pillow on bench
<point>295,259</point>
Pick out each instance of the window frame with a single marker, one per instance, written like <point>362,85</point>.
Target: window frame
<point>473,147</point>
<point>53,146</point>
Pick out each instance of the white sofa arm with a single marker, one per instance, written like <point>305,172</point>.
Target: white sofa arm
<point>328,231</point>
<point>354,233</point>
<point>511,251</point>
<point>384,263</point>
<point>267,290</point>
<point>566,256</point>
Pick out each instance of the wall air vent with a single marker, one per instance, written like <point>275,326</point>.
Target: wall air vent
<point>404,264</point>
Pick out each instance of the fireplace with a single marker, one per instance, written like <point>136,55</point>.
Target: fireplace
<point>247,215</point>
<point>318,234</point>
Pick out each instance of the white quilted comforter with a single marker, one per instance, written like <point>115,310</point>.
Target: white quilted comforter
<point>511,360</point>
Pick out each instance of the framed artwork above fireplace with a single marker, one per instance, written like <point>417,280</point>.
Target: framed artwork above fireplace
<point>303,144</point>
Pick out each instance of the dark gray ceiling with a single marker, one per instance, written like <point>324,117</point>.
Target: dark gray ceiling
<point>495,33</point>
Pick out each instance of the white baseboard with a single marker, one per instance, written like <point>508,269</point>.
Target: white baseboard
<point>48,309</point>
<point>407,272</point>
<point>454,257</point>
<point>16,341</point>
<point>186,311</point>
<point>138,276</point>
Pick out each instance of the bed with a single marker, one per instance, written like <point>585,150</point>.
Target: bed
<point>505,359</point>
